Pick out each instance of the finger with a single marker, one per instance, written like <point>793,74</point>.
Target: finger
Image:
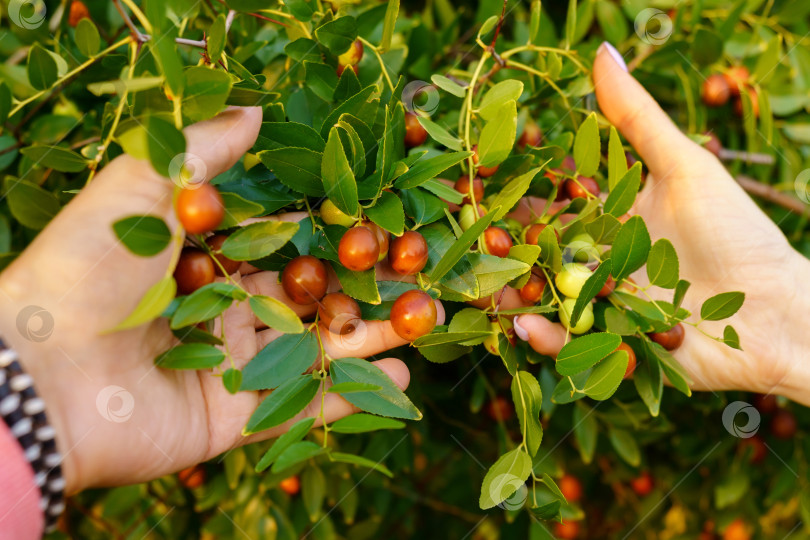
<point>542,335</point>
<point>223,140</point>
<point>636,114</point>
<point>530,208</point>
<point>369,338</point>
<point>505,299</point>
<point>335,407</point>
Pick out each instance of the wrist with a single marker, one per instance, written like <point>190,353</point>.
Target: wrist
<point>795,384</point>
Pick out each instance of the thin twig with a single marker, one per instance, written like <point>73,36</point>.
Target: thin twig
<point>128,21</point>
<point>772,195</point>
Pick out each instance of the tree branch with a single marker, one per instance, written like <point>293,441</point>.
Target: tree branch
<point>772,195</point>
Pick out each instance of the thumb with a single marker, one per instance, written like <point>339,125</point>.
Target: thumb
<point>636,114</point>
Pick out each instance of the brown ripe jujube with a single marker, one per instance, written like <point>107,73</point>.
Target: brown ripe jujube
<point>192,477</point>
<point>532,291</point>
<point>783,425</point>
<point>497,241</point>
<point>571,487</point>
<point>215,243</point>
<point>415,134</point>
<point>736,78</point>
<point>408,253</point>
<point>483,172</point>
<point>78,11</point>
<point>607,288</point>
<point>581,187</point>
<point>766,403</point>
<point>359,249</point>
<point>671,339</point>
<point>737,530</point>
<point>350,58</point>
<point>631,359</point>
<point>531,135</point>
<point>567,530</point>
<point>738,106</point>
<point>305,280</point>
<point>200,209</point>
<point>290,485</point>
<point>339,312</point>
<point>463,186</point>
<point>533,233</point>
<point>194,270</point>
<point>500,408</point>
<point>413,314</point>
<point>642,485</point>
<point>716,91</point>
<point>383,238</point>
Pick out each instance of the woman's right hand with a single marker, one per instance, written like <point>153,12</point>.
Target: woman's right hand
<point>724,243</point>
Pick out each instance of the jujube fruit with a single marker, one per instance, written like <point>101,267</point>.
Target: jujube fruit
<point>571,279</point>
<point>194,270</point>
<point>497,241</point>
<point>339,312</point>
<point>766,404</point>
<point>408,253</point>
<point>756,446</point>
<point>531,135</point>
<point>350,58</point>
<point>671,339</point>
<point>200,209</point>
<point>716,91</point>
<point>359,249</point>
<point>736,78</point>
<point>290,485</point>
<point>415,134</point>
<point>737,530</point>
<point>305,280</point>
<point>581,187</point>
<point>383,238</point>
<point>483,172</point>
<point>413,314</point>
<point>215,243</point>
<point>332,215</point>
<point>567,530</point>
<point>607,288</point>
<point>491,341</point>
<point>783,425</point>
<point>466,216</point>
<point>462,185</point>
<point>500,408</point>
<point>532,233</point>
<point>78,11</point>
<point>532,291</point>
<point>571,487</point>
<point>631,359</point>
<point>643,484</point>
<point>192,477</point>
<point>586,319</point>
<point>738,106</point>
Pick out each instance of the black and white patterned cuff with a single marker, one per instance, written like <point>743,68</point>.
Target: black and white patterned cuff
<point>24,413</point>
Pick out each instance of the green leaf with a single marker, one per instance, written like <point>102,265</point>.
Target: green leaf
<point>421,206</point>
<point>444,338</point>
<point>349,387</point>
<point>550,249</point>
<point>164,143</point>
<point>281,135</point>
<point>361,461</point>
<point>363,423</point>
<point>237,210</point>
<point>152,305</point>
<point>297,168</point>
<point>205,303</point>
<point>42,68</point>
<point>768,61</point>
<point>55,157</point>
<point>296,453</point>
<point>607,376</point>
<point>232,379</point>
<point>191,356</point>
<point>276,314</point>
<point>30,204</point>
<point>388,213</point>
<point>731,338</point>
<point>143,235</point>
<point>617,162</point>
<point>626,446</point>
<point>498,136</point>
<point>88,40</point>
<point>662,264</point>
<point>603,229</point>
<point>5,104</point>
<point>205,93</point>
<point>459,248</point>
<point>528,399</point>
<point>338,178</point>
<point>280,360</point>
<point>512,192</point>
<point>389,23</point>
<point>587,147</point>
<point>390,401</point>
<point>586,431</point>
<point>359,285</point>
<point>649,382</point>
<point>680,292</point>
<point>295,434</point>
<point>164,49</point>
<point>630,248</point>
<point>504,478</point>
<point>706,47</point>
<point>321,79</point>
<point>612,21</point>
<point>440,135</point>
<point>258,240</point>
<point>313,492</point>
<point>672,368</point>
<point>493,272</point>
<point>721,306</point>
<point>498,96</point>
<point>216,38</point>
<point>283,403</point>
<point>427,169</point>
<point>338,35</point>
<point>448,85</point>
<point>623,195</point>
<point>119,86</point>
<point>571,23</point>
<point>583,352</point>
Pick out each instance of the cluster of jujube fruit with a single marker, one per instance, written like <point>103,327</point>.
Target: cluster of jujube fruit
<point>719,88</point>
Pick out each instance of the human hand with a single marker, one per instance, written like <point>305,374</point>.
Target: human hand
<point>88,282</point>
<point>724,242</point>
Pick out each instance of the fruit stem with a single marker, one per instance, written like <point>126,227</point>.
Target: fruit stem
<point>322,373</point>
<point>376,52</point>
<point>467,122</point>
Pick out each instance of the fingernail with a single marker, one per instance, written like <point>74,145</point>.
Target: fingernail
<point>616,55</point>
<point>519,330</point>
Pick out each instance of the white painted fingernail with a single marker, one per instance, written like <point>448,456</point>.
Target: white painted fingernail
<point>616,55</point>
<point>519,330</point>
